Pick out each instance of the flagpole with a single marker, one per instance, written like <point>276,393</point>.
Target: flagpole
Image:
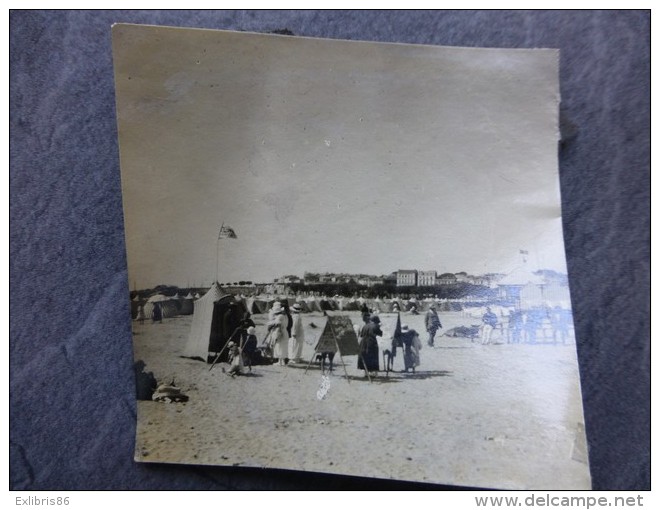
<point>217,252</point>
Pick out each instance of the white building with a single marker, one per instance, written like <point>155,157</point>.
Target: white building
<point>406,278</point>
<point>426,278</point>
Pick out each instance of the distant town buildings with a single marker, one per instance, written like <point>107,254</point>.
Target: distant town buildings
<point>426,278</point>
<point>447,279</point>
<point>400,278</point>
<point>406,278</point>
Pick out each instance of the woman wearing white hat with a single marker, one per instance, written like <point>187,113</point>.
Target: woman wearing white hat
<point>297,334</point>
<point>278,336</point>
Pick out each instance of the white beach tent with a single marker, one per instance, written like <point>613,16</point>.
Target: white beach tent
<point>198,340</point>
<point>215,319</point>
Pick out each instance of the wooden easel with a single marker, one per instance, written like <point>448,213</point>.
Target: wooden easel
<point>338,350</point>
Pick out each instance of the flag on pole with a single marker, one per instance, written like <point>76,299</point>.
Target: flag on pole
<point>227,233</point>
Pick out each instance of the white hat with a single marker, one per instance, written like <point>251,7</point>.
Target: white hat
<point>404,327</point>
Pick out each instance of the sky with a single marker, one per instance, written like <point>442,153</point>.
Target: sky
<point>332,156</point>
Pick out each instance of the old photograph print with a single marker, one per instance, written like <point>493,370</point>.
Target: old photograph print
<point>347,257</point>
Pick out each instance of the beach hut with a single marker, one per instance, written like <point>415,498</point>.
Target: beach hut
<point>522,288</point>
<point>216,317</point>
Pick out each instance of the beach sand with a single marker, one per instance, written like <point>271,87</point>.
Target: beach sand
<point>501,415</point>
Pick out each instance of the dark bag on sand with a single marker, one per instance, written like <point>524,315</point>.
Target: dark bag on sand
<point>262,356</point>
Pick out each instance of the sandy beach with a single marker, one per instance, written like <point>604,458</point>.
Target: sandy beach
<point>502,415</point>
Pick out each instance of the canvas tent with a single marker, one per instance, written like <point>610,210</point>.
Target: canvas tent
<point>313,305</point>
<point>215,319</point>
<point>351,305</point>
<point>186,305</point>
<point>327,304</point>
<point>261,305</point>
<point>167,305</point>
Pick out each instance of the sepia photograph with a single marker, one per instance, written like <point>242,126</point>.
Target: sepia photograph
<point>347,258</point>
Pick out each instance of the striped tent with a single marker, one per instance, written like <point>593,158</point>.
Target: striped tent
<point>313,305</point>
<point>389,305</point>
<point>261,305</point>
<point>167,305</point>
<point>351,305</point>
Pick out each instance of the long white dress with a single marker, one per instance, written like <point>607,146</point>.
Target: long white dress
<point>280,338</point>
<point>298,336</point>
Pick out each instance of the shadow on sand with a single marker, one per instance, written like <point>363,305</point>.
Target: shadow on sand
<point>397,377</point>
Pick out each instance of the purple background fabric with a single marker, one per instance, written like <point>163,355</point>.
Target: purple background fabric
<point>72,408</point>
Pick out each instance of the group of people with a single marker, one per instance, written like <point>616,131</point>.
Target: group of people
<point>156,314</point>
<point>407,339</point>
<point>285,337</point>
<point>284,340</point>
<point>526,326</point>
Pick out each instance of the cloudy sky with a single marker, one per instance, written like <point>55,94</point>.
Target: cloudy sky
<point>332,156</point>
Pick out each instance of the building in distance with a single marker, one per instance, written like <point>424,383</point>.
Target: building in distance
<point>426,278</point>
<point>406,278</point>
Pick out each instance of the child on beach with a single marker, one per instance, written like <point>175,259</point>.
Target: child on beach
<point>235,360</point>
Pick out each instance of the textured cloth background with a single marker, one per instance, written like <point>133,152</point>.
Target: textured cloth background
<point>72,408</point>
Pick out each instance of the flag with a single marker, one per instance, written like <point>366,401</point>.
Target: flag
<point>227,232</point>
<point>524,252</point>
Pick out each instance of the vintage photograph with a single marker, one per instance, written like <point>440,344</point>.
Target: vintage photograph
<point>347,257</point>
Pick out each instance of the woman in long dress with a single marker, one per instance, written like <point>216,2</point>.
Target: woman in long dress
<point>411,346</point>
<point>278,336</point>
<point>368,360</point>
<point>297,334</point>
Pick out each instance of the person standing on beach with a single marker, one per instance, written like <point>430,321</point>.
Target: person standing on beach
<point>432,323</point>
<point>490,321</point>
<point>140,314</point>
<point>411,347</point>
<point>157,314</point>
<point>249,347</point>
<point>364,309</point>
<point>287,314</point>
<point>515,326</point>
<point>278,336</point>
<point>297,334</point>
<point>368,359</point>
